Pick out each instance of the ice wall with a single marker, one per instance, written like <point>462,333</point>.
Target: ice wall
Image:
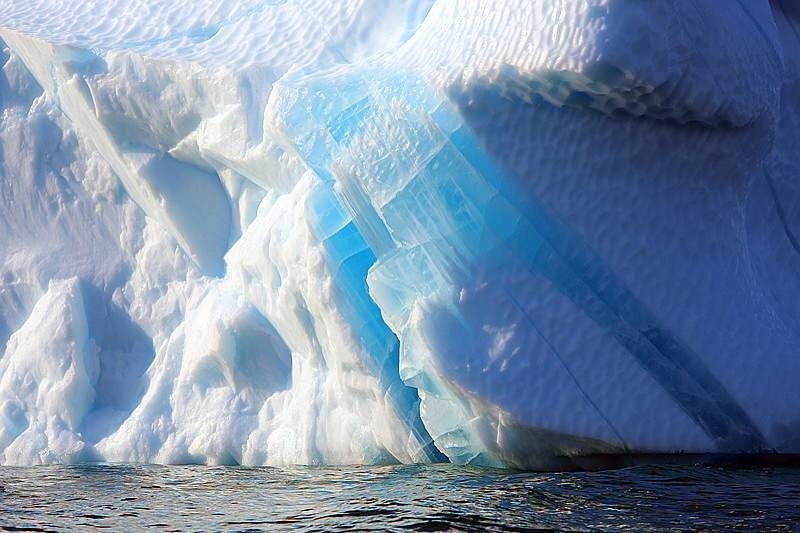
<point>513,233</point>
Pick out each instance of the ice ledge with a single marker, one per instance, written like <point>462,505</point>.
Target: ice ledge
<point>674,60</point>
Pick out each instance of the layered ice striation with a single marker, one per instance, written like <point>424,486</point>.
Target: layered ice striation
<point>499,232</point>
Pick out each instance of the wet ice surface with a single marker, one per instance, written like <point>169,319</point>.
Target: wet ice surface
<point>425,498</point>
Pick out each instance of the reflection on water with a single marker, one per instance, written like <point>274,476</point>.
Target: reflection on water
<point>425,498</point>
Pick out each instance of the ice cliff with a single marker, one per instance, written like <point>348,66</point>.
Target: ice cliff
<point>499,232</point>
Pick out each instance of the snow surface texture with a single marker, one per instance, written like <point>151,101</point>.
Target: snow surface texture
<point>500,232</point>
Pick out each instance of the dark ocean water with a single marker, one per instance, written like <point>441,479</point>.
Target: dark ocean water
<point>422,498</point>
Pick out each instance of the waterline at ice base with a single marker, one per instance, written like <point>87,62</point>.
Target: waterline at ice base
<point>512,233</point>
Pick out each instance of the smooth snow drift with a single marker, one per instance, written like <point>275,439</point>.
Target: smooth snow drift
<point>499,232</point>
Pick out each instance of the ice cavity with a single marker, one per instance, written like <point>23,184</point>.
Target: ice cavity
<point>501,232</point>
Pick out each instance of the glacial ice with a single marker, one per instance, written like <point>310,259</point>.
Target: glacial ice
<point>498,232</point>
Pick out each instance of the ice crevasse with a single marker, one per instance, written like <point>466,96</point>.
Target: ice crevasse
<point>498,232</point>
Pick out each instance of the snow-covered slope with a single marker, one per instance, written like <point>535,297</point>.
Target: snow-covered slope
<point>505,232</point>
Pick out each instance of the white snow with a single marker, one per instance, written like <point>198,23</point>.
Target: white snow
<point>505,232</point>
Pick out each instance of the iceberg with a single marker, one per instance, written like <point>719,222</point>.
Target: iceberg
<point>509,233</point>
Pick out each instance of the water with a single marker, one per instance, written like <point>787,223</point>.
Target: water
<point>423,498</point>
